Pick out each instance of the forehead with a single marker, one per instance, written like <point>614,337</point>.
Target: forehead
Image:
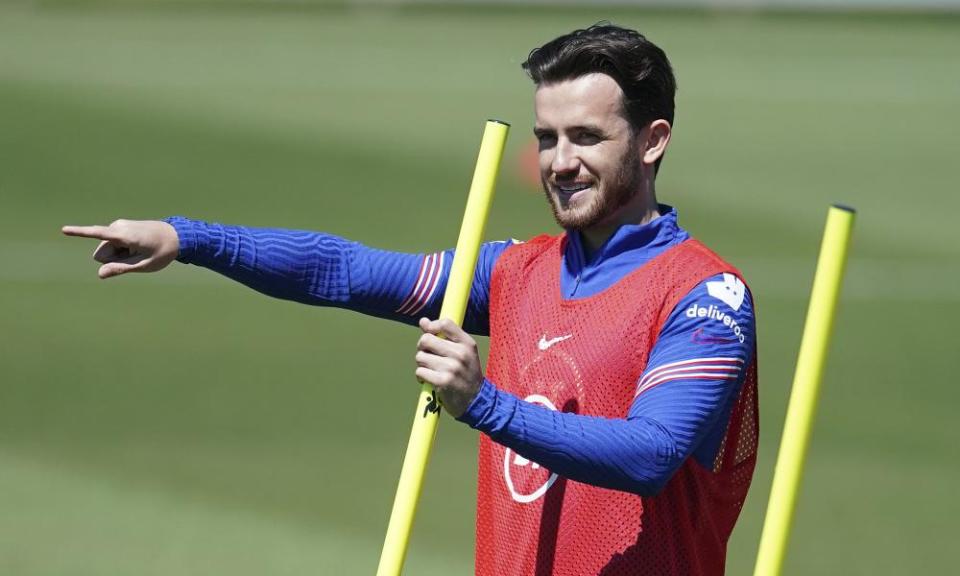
<point>591,99</point>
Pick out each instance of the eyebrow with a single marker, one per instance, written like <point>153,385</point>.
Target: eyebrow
<point>589,128</point>
<point>537,130</point>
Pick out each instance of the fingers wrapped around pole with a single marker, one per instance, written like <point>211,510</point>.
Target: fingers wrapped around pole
<point>453,309</point>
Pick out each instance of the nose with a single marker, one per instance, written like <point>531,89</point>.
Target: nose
<point>565,159</point>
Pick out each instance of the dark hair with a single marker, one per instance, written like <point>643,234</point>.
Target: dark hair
<point>639,66</point>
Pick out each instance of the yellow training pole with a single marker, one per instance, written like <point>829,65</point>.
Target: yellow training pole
<point>454,306</point>
<point>806,388</point>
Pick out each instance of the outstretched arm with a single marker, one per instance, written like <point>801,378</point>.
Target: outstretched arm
<point>308,267</point>
<point>682,402</point>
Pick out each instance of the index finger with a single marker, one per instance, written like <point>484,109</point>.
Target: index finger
<point>99,232</point>
<point>445,328</point>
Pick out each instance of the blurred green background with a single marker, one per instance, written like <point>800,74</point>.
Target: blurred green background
<point>181,424</point>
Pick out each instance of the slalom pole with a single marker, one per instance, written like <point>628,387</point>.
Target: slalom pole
<point>454,307</point>
<point>806,388</point>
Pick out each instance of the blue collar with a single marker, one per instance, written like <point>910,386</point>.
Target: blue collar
<point>631,246</point>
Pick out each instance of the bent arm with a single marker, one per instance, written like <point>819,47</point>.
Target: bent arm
<point>681,409</point>
<point>326,270</point>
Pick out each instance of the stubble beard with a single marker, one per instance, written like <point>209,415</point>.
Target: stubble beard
<point>608,198</point>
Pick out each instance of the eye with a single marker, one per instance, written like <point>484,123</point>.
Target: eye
<point>587,138</point>
<point>545,139</point>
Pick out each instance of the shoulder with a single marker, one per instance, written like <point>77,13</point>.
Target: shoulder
<point>537,242</point>
<point>530,249</point>
<point>696,268</point>
<point>518,257</point>
<point>695,254</point>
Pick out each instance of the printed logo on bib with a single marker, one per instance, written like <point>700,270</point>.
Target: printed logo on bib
<point>551,380</point>
<point>545,344</point>
<point>526,480</point>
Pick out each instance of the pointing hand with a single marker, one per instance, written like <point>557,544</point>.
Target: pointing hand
<point>131,245</point>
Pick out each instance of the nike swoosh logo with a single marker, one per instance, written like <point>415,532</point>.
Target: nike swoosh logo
<point>699,337</point>
<point>543,344</point>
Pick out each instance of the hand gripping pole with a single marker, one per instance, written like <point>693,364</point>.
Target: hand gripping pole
<point>454,306</point>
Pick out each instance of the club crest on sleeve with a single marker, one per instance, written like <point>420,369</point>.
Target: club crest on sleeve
<point>730,290</point>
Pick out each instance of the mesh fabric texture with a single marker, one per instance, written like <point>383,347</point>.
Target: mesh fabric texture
<point>532,522</point>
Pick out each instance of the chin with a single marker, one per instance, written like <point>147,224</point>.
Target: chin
<point>583,214</point>
<point>576,218</point>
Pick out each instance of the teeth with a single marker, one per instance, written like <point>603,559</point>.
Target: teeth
<point>576,188</point>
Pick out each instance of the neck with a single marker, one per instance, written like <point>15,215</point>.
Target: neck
<point>642,208</point>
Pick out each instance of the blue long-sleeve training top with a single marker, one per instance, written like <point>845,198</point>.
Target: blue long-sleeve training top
<point>678,412</point>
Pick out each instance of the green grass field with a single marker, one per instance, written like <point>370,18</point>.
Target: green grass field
<point>181,424</point>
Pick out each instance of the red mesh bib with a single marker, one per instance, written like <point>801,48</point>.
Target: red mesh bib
<point>585,356</point>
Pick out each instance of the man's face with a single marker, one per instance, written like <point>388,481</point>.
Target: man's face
<point>589,157</point>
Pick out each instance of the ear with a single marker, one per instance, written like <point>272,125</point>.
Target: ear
<point>658,137</point>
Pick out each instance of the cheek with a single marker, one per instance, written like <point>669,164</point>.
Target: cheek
<point>601,166</point>
<point>545,159</point>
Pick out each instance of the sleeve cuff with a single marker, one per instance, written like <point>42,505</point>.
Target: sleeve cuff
<point>481,405</point>
<point>187,235</point>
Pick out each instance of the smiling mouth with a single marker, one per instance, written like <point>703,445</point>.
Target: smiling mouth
<point>572,188</point>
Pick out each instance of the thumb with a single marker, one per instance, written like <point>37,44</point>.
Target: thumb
<point>112,269</point>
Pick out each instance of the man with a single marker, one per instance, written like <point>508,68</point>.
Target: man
<point>619,410</point>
